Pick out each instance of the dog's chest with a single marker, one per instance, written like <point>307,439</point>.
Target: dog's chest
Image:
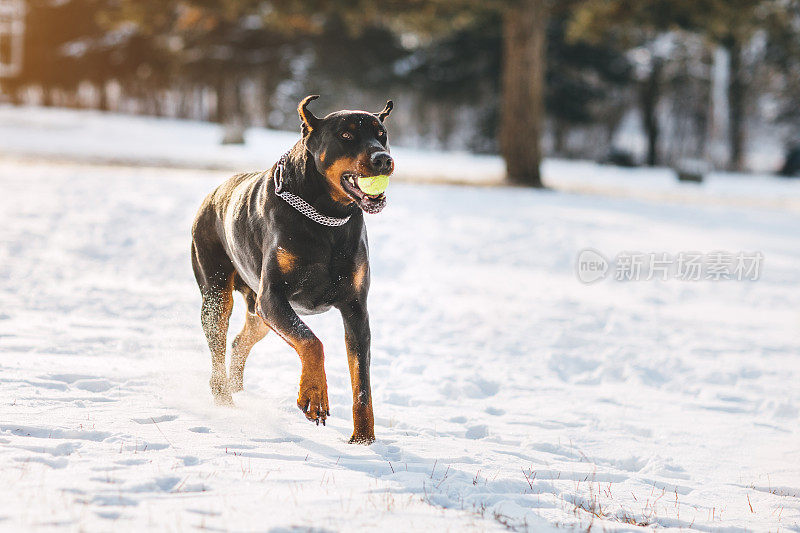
<point>316,284</point>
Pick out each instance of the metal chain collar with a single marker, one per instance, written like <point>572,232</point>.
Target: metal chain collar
<point>298,203</point>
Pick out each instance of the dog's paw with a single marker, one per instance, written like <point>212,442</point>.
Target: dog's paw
<point>313,401</point>
<point>225,400</point>
<point>362,439</point>
<point>221,391</point>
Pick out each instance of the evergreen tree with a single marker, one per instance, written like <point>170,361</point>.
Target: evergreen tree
<point>59,46</point>
<point>728,23</point>
<point>524,24</point>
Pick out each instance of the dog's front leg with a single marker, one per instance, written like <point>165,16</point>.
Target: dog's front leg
<point>275,310</point>
<point>357,339</point>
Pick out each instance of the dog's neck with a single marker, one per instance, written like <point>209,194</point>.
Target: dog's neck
<point>300,176</point>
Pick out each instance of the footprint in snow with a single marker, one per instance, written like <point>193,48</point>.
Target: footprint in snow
<point>108,515</point>
<point>67,378</point>
<point>93,385</point>
<point>140,446</point>
<point>485,387</point>
<point>477,432</point>
<point>65,448</point>
<point>236,446</point>
<point>132,462</point>
<point>160,484</point>
<point>205,512</point>
<point>157,420</point>
<point>56,463</point>
<point>277,440</point>
<point>54,433</point>
<point>111,500</point>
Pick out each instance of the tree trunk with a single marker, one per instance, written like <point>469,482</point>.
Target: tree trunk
<point>13,89</point>
<point>47,96</point>
<point>559,137</point>
<point>219,90</point>
<point>649,101</point>
<point>102,95</point>
<point>231,106</point>
<point>267,92</point>
<point>524,32</point>
<point>736,91</point>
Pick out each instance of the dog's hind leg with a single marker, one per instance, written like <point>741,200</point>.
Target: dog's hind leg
<point>253,331</point>
<point>215,315</point>
<point>214,273</point>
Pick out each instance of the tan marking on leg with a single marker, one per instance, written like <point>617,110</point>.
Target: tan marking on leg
<point>286,260</point>
<point>312,398</point>
<point>322,156</point>
<point>313,395</point>
<point>359,275</point>
<point>363,419</point>
<point>253,331</point>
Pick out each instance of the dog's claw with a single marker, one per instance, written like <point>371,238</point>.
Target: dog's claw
<point>314,404</point>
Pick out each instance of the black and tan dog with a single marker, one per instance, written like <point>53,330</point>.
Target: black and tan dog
<point>292,240</point>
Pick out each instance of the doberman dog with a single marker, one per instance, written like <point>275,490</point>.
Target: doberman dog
<point>292,241</point>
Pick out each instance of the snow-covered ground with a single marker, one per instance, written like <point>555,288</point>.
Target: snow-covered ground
<point>507,393</point>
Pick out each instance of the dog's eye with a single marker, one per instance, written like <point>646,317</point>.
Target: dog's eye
<point>381,134</point>
<point>347,136</point>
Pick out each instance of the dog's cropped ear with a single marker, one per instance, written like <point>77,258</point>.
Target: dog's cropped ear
<point>386,110</point>
<point>307,117</point>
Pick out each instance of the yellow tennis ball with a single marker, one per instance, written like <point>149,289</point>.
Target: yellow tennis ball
<point>373,185</point>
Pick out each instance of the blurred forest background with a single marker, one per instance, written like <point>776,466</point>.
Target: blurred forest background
<point>655,82</point>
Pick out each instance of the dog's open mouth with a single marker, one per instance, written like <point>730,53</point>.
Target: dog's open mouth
<point>369,203</point>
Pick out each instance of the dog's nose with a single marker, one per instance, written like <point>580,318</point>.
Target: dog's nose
<point>382,162</point>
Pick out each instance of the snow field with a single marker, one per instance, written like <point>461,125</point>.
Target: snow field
<point>507,393</point>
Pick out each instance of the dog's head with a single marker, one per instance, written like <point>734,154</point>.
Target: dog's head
<point>347,145</point>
